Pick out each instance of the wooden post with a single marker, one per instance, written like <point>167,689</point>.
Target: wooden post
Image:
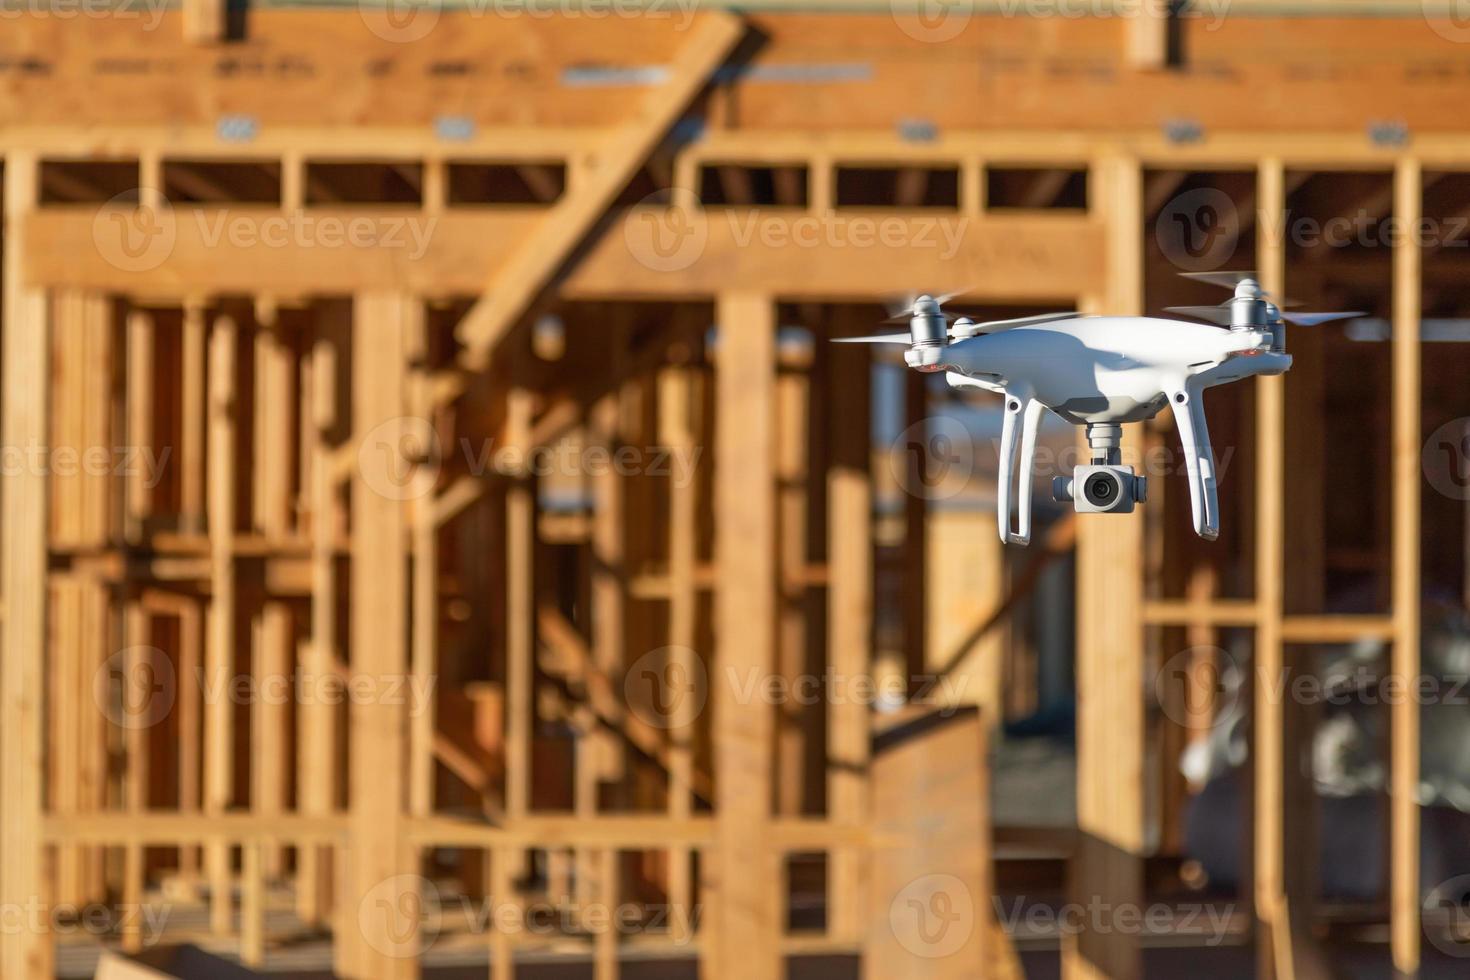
<point>252,904</point>
<point>140,419</point>
<point>190,731</point>
<point>520,600</point>
<point>1284,857</point>
<point>1407,440</point>
<point>676,402</point>
<point>275,396</point>
<point>1148,36</point>
<point>599,756</point>
<point>23,583</point>
<point>383,946</point>
<point>1108,869</point>
<point>191,422</point>
<point>219,651</point>
<point>747,867</point>
<point>424,656</point>
<point>317,742</point>
<point>849,624</point>
<point>793,424</point>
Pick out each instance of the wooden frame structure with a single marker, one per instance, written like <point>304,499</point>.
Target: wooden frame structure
<point>361,360</point>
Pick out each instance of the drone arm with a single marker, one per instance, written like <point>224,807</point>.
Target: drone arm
<point>1199,460</point>
<point>1029,411</point>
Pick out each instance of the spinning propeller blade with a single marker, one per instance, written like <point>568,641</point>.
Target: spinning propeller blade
<point>902,307</point>
<point>1229,280</point>
<point>995,326</point>
<point>1214,314</point>
<point>880,338</point>
<point>1313,319</point>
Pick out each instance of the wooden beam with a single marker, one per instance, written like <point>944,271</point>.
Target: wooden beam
<point>1111,746</point>
<point>747,915</point>
<point>543,255</point>
<point>385,944</point>
<point>24,952</point>
<point>1404,903</point>
<point>849,622</point>
<point>1005,257</point>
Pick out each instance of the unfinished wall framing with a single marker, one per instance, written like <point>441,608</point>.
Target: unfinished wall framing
<point>309,459</point>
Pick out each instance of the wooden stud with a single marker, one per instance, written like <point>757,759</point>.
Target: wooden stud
<point>1404,902</point>
<point>317,742</point>
<point>520,556</point>
<point>1284,881</point>
<point>677,405</point>
<point>23,583</point>
<point>205,21</point>
<point>252,904</point>
<point>747,869</point>
<point>849,623</point>
<point>424,657</point>
<point>1148,36</point>
<point>379,630</point>
<point>140,419</point>
<point>219,650</point>
<point>273,635</point>
<point>191,422</point>
<point>1111,748</point>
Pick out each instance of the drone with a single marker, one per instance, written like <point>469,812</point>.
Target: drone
<point>1100,372</point>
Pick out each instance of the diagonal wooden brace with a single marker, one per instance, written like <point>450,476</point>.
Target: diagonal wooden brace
<point>534,268</point>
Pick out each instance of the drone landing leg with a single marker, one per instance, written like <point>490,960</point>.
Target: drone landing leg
<point>1199,460</point>
<point>1029,409</point>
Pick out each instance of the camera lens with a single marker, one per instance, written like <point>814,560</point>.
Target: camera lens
<point>1101,489</point>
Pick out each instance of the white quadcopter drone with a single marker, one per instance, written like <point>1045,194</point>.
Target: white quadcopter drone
<point>1102,371</point>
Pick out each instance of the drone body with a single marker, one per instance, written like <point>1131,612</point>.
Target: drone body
<point>1100,372</point>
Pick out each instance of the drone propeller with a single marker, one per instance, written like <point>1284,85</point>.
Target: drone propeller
<point>1214,314</point>
<point>1229,280</point>
<point>880,338</point>
<point>902,309</point>
<point>1221,315</point>
<point>1313,319</point>
<point>961,331</point>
